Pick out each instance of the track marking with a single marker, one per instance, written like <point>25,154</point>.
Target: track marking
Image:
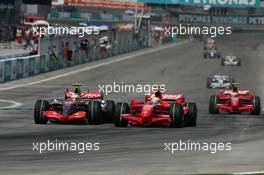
<point>252,172</point>
<point>14,104</point>
<point>95,66</point>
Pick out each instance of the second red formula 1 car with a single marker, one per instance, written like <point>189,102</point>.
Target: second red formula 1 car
<point>234,101</point>
<point>157,110</point>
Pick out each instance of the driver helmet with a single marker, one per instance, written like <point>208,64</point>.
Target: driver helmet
<point>77,91</point>
<point>74,97</point>
<point>155,99</point>
<point>235,89</point>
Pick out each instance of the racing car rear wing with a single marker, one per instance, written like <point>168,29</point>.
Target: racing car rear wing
<point>166,97</point>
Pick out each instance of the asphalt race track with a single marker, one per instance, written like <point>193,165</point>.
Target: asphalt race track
<point>136,151</point>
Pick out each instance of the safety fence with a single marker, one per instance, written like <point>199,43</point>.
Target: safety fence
<point>60,52</point>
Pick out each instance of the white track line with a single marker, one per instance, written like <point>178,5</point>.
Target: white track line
<point>14,104</point>
<point>94,66</point>
<point>247,173</point>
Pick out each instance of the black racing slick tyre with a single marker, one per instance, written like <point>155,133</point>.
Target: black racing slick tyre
<point>109,111</point>
<point>212,105</point>
<point>191,117</point>
<point>40,107</point>
<point>176,116</point>
<point>208,83</point>
<point>205,54</point>
<point>239,62</point>
<point>94,113</point>
<point>121,108</point>
<point>223,62</point>
<point>256,106</point>
<point>218,55</point>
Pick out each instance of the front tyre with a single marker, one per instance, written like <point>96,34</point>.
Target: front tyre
<point>176,116</point>
<point>109,111</point>
<point>256,106</point>
<point>192,115</point>
<point>94,113</point>
<point>212,105</point>
<point>40,107</point>
<point>121,108</point>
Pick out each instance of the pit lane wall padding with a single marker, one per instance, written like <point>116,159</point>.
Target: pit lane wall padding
<point>52,56</point>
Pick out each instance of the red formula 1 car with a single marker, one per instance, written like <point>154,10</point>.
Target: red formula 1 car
<point>169,110</point>
<point>234,101</point>
<point>85,107</point>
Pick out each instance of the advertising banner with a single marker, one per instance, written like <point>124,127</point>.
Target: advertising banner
<point>194,18</point>
<point>37,65</point>
<point>230,20</point>
<point>122,4</point>
<point>19,71</point>
<point>256,20</point>
<point>25,67</point>
<point>13,69</point>
<point>42,66</point>
<point>1,71</point>
<point>237,20</point>
<point>31,66</point>
<point>47,64</point>
<point>213,3</point>
<point>7,72</point>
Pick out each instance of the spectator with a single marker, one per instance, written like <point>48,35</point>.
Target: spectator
<point>65,51</point>
<point>84,46</point>
<point>53,57</point>
<point>33,48</point>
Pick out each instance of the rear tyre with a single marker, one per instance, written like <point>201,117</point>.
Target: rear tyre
<point>176,116</point>
<point>205,55</point>
<point>256,106</point>
<point>40,107</point>
<point>109,111</point>
<point>192,115</point>
<point>94,113</point>
<point>121,108</point>
<point>239,62</point>
<point>208,83</point>
<point>212,105</point>
<point>218,55</point>
<point>223,62</point>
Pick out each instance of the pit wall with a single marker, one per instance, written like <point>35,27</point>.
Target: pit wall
<point>52,54</point>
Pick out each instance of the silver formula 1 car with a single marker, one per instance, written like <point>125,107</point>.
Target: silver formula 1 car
<point>212,53</point>
<point>219,81</point>
<point>231,60</point>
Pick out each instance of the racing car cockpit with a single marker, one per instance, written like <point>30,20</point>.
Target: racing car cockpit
<point>154,98</point>
<point>210,44</point>
<point>73,95</point>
